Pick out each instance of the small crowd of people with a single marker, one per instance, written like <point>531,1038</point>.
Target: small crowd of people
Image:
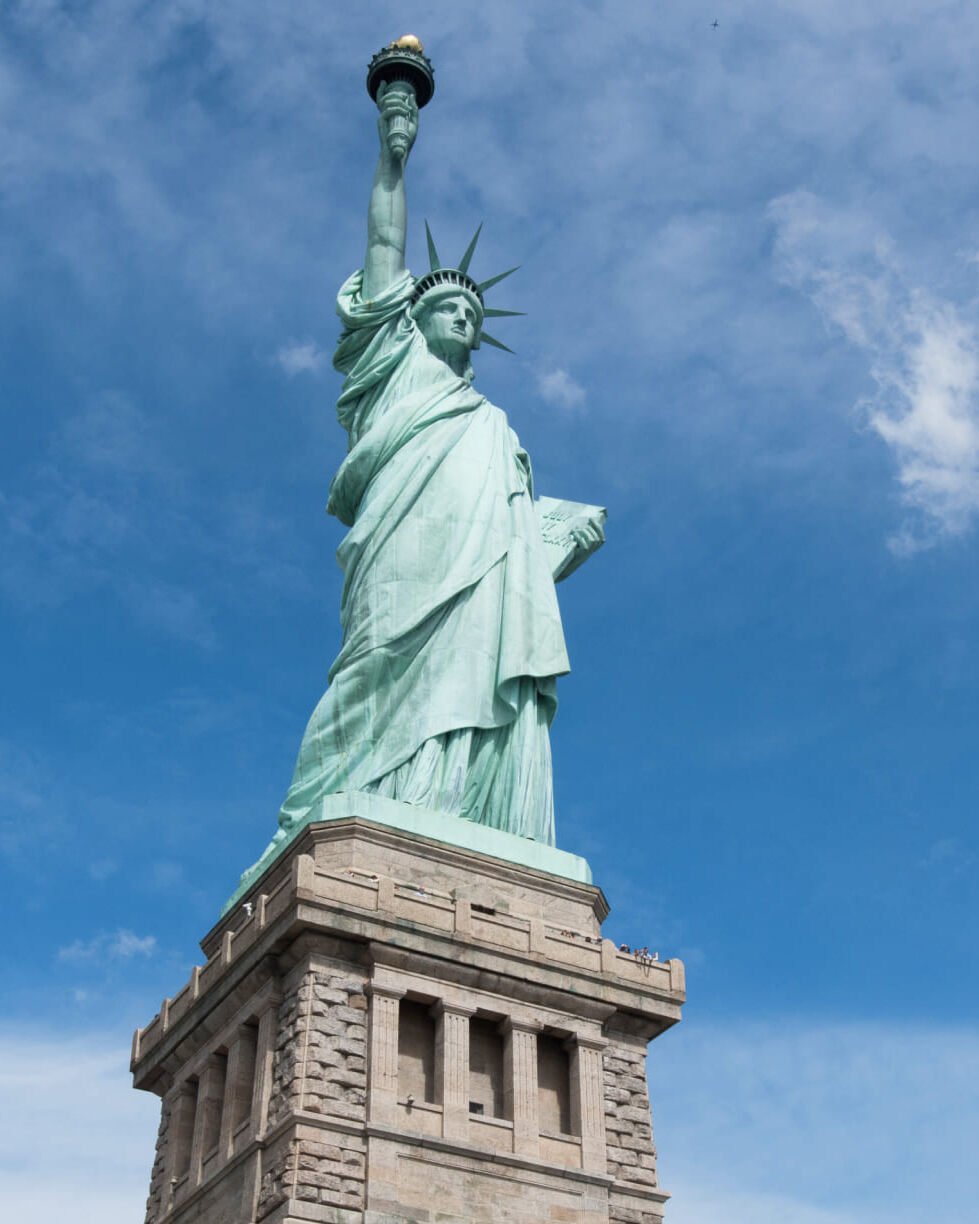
<point>641,954</point>
<point>578,935</point>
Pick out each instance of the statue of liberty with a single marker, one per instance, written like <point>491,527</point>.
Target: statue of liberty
<point>444,689</point>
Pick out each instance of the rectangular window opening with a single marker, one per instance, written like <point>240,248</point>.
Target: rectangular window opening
<point>182,1128</point>
<point>416,1051</point>
<point>553,1085</point>
<point>486,1067</point>
<point>244,1086</point>
<point>214,1079</point>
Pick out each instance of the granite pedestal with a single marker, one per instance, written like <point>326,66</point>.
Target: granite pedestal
<point>391,1029</point>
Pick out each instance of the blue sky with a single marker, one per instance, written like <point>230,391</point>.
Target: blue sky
<point>750,262</point>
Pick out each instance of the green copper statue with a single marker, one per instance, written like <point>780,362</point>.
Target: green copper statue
<point>444,688</point>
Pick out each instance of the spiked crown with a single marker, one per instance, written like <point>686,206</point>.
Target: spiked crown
<point>440,277</point>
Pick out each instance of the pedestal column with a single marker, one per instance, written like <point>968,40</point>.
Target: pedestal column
<point>180,1136</point>
<point>522,1101</point>
<point>207,1119</point>
<point>588,1099</point>
<point>237,1084</point>
<point>264,1059</point>
<point>382,1104</point>
<point>452,1068</point>
<point>258,1104</point>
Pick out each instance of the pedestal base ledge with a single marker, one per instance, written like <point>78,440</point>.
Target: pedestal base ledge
<point>424,822</point>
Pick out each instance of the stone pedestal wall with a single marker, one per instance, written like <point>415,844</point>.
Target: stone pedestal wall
<point>278,1063</point>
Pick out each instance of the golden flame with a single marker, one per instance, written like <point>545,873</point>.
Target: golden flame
<point>408,42</point>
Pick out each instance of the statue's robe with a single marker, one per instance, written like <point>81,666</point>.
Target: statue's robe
<point>444,687</point>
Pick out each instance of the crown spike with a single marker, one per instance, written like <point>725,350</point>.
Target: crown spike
<point>433,255</point>
<point>490,312</point>
<point>495,280</point>
<point>485,338</point>
<point>464,262</point>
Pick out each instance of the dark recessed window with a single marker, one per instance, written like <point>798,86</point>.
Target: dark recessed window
<point>486,1067</point>
<point>416,1051</point>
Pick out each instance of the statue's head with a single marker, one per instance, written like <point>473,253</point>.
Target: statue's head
<point>447,306</point>
<point>450,318</point>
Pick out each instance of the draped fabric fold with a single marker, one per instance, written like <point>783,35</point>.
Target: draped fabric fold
<point>444,687</point>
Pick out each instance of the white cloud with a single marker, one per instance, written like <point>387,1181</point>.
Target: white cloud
<point>791,1121</point>
<point>693,1204</point>
<point>560,390</point>
<point>923,353</point>
<point>121,945</point>
<point>126,944</point>
<point>77,1139</point>
<point>301,357</point>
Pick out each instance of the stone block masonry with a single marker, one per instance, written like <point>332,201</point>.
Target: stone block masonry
<point>292,1067</point>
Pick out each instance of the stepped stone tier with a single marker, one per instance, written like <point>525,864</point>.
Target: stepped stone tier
<point>390,1028</point>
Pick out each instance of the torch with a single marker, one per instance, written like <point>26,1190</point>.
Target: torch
<point>404,66</point>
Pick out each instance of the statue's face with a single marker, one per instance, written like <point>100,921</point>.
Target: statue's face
<point>449,326</point>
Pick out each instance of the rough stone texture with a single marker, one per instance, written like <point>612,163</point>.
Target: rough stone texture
<point>317,973</point>
<point>278,1175</point>
<point>628,1125</point>
<point>154,1201</point>
<point>628,1215</point>
<point>334,1008</point>
<point>286,1079</point>
<point>320,1067</point>
<point>332,1173</point>
<point>321,1047</point>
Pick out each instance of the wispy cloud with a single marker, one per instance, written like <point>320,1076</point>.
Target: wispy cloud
<point>923,354</point>
<point>560,390</point>
<point>121,945</point>
<point>107,508</point>
<point>301,357</point>
<point>68,1103</point>
<point>948,854</point>
<point>24,793</point>
<point>103,494</point>
<point>167,875</point>
<point>751,1115</point>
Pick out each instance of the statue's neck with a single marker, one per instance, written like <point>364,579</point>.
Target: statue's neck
<point>458,363</point>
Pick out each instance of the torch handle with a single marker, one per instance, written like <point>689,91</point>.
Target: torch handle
<point>399,136</point>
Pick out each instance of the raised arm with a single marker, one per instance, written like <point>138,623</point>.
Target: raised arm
<point>397,127</point>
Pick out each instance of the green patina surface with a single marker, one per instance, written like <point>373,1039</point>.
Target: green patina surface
<point>445,687</point>
<point>439,826</point>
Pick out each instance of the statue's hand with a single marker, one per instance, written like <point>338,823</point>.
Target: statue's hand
<point>397,124</point>
<point>587,540</point>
